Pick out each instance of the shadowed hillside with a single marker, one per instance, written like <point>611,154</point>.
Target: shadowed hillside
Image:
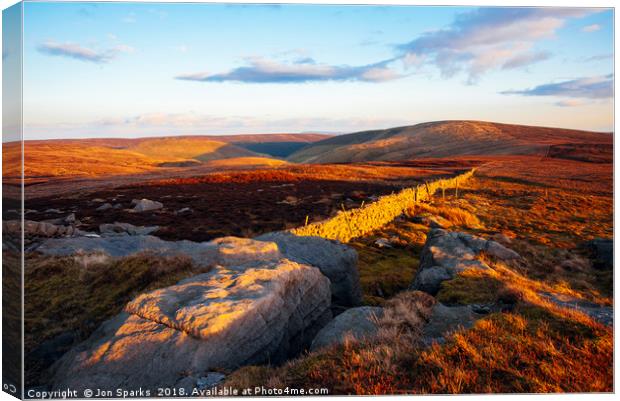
<point>441,139</point>
<point>94,157</point>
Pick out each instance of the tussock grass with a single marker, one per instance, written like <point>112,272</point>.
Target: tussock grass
<point>369,366</point>
<point>457,216</point>
<point>537,347</point>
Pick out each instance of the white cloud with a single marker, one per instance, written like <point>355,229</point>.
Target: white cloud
<point>260,70</point>
<point>490,38</point>
<point>591,28</point>
<point>595,87</point>
<point>78,52</point>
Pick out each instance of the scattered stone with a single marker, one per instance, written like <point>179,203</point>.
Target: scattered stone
<point>145,205</point>
<point>355,323</point>
<point>98,200</point>
<point>125,229</point>
<point>185,210</point>
<point>39,229</point>
<point>57,211</point>
<point>104,207</point>
<point>223,319</point>
<point>118,206</point>
<point>383,243</point>
<point>290,200</point>
<point>335,260</point>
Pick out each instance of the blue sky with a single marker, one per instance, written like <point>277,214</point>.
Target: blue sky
<point>132,69</point>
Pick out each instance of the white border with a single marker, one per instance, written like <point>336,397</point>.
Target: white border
<point>556,3</point>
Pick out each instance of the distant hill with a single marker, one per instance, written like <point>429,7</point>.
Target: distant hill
<point>442,139</point>
<point>202,149</point>
<point>47,159</point>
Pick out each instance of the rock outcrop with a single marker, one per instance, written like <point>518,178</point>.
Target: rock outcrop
<point>356,323</point>
<point>445,320</point>
<point>335,260</point>
<point>254,313</point>
<point>446,253</point>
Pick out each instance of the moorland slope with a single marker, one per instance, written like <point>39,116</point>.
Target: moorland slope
<point>442,139</point>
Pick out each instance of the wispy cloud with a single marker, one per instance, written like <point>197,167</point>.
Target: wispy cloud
<point>597,87</point>
<point>81,53</point>
<point>490,38</point>
<point>260,70</point>
<point>475,43</point>
<point>187,123</point>
<point>598,57</point>
<point>591,28</point>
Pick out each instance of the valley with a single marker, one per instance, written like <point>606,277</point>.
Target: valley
<point>454,257</point>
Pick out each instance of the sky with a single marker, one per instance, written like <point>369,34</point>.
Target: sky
<point>139,69</point>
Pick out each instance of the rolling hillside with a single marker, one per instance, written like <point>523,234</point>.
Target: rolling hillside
<point>110,157</point>
<point>442,139</point>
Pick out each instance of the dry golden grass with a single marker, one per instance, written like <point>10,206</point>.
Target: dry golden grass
<point>529,350</point>
<point>455,215</point>
<point>51,160</point>
<point>246,162</point>
<point>538,346</point>
<point>179,148</point>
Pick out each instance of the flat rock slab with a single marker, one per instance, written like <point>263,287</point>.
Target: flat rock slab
<point>356,323</point>
<point>335,260</point>
<point>222,319</point>
<point>227,251</point>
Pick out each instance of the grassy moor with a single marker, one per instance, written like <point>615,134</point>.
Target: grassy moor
<point>527,311</point>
